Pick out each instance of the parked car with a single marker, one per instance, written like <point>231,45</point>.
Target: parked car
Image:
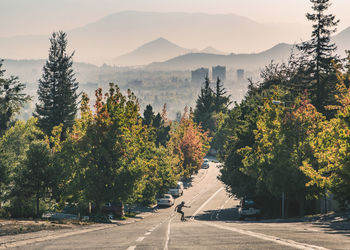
<point>205,164</point>
<point>166,200</point>
<point>178,190</point>
<point>113,208</point>
<point>249,208</point>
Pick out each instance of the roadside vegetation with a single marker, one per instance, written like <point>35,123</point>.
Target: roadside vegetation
<point>108,153</point>
<point>290,135</point>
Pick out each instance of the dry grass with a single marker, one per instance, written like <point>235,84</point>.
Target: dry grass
<point>12,227</point>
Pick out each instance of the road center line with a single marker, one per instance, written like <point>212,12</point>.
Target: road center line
<point>168,234</point>
<point>139,239</point>
<point>148,233</point>
<point>131,248</point>
<point>285,242</point>
<point>206,202</point>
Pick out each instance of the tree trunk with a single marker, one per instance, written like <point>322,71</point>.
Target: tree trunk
<point>301,207</point>
<point>37,205</point>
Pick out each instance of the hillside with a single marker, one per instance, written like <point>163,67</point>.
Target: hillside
<point>343,41</point>
<point>120,32</point>
<point>154,51</point>
<point>254,61</point>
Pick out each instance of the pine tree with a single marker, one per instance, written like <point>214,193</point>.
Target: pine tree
<point>57,88</point>
<point>222,101</point>
<point>320,50</point>
<point>12,99</point>
<point>205,107</point>
<point>148,115</point>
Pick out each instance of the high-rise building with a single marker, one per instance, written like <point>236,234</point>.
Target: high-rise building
<point>219,72</point>
<point>240,74</point>
<point>198,75</point>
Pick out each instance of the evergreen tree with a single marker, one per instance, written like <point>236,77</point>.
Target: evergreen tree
<point>222,101</point>
<point>57,88</point>
<point>148,115</point>
<point>319,51</point>
<point>12,99</point>
<point>205,107</point>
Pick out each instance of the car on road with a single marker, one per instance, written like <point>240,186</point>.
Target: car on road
<point>113,208</point>
<point>249,208</point>
<point>178,190</point>
<point>205,164</point>
<point>166,200</point>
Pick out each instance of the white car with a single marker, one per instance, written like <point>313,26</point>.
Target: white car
<point>166,200</point>
<point>178,190</point>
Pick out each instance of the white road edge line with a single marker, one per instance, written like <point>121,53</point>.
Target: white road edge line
<point>139,239</point>
<point>205,203</point>
<point>131,248</point>
<point>285,242</point>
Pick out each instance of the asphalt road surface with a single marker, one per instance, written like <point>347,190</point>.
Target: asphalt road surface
<point>212,223</point>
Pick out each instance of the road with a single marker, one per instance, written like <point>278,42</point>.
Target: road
<point>212,223</point>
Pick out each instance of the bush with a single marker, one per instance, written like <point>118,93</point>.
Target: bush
<point>24,208</point>
<point>100,218</point>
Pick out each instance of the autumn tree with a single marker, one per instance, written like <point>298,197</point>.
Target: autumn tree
<point>190,143</point>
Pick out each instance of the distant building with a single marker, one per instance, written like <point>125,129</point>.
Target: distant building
<point>198,75</point>
<point>219,72</point>
<point>240,75</point>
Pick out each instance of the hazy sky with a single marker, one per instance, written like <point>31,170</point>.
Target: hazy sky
<point>23,17</point>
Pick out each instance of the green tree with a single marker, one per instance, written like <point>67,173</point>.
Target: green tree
<point>205,107</point>
<point>36,175</point>
<point>57,88</point>
<point>221,100</point>
<point>319,51</point>
<point>148,115</point>
<point>12,99</point>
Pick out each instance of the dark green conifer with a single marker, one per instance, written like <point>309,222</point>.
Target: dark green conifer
<point>12,99</point>
<point>319,51</point>
<point>57,88</point>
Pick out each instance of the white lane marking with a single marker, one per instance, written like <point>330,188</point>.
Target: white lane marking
<point>139,239</point>
<point>131,248</point>
<point>168,234</point>
<point>52,237</point>
<point>148,233</point>
<point>285,242</point>
<point>194,198</point>
<point>205,203</point>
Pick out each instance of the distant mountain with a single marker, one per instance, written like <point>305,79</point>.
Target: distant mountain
<point>30,71</point>
<point>343,41</point>
<point>278,53</point>
<point>118,33</point>
<point>211,50</point>
<point>154,51</point>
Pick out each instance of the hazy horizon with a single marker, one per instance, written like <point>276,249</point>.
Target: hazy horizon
<point>22,17</point>
<point>277,22</point>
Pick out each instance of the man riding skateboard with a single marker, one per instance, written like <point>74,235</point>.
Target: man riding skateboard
<point>178,209</point>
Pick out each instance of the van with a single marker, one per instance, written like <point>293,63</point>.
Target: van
<point>178,190</point>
